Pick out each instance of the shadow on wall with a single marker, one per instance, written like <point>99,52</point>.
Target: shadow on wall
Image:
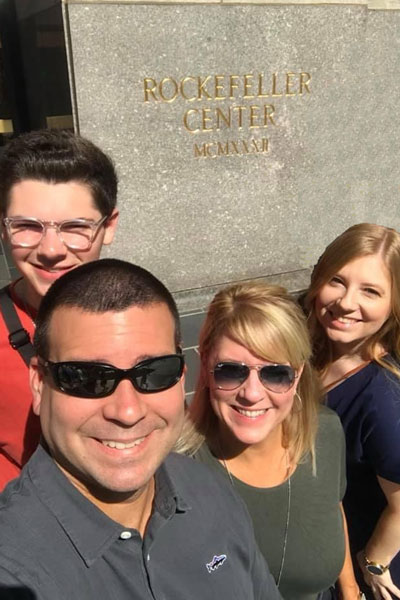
<point>16,593</point>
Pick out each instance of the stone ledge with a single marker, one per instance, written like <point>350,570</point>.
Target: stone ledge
<point>384,4</point>
<point>122,2</point>
<point>369,4</point>
<point>198,299</point>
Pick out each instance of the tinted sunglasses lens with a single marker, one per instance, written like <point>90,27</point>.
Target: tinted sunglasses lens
<point>277,378</point>
<point>91,380</point>
<point>158,374</point>
<point>228,376</point>
<point>85,380</point>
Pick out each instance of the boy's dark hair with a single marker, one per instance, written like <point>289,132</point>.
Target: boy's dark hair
<point>58,156</point>
<point>98,287</point>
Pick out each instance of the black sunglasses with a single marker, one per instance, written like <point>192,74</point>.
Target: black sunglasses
<point>97,380</point>
<point>275,378</point>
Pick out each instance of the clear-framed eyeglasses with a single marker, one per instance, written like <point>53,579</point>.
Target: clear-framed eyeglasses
<point>76,234</point>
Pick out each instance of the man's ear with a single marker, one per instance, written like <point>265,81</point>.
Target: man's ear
<point>36,383</point>
<point>110,227</point>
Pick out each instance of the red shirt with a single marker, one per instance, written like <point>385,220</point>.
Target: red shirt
<point>19,427</point>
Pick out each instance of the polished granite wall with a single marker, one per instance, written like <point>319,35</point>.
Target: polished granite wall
<point>246,135</point>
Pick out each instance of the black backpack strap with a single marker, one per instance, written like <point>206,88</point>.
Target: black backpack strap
<point>18,336</point>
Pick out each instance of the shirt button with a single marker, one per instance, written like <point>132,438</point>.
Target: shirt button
<point>125,535</point>
<point>148,557</point>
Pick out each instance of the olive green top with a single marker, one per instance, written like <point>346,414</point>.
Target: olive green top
<point>315,542</point>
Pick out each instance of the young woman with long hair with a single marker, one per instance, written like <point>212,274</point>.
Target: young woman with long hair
<point>354,316</point>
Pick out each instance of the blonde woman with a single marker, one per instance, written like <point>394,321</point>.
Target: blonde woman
<point>354,303</point>
<point>258,422</point>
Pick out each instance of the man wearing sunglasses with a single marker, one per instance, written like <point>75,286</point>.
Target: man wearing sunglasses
<point>110,514</point>
<point>57,208</point>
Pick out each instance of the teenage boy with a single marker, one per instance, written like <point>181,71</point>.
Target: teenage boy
<point>57,208</point>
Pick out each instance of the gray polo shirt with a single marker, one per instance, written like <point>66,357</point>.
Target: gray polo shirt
<point>199,544</point>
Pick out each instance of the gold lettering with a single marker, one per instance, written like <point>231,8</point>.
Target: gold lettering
<point>253,115</point>
<point>240,111</point>
<point>201,88</point>
<point>208,149</point>
<point>232,85</point>
<point>225,118</point>
<point>224,150</point>
<point>148,90</point>
<point>274,92</point>
<point>269,111</point>
<point>289,83</point>
<point>204,150</point>
<point>305,79</point>
<point>185,120</point>
<point>219,87</point>
<point>161,85</point>
<point>230,147</point>
<point>199,151</point>
<point>182,89</point>
<point>206,119</point>
<point>234,146</point>
<point>260,93</point>
<point>247,84</point>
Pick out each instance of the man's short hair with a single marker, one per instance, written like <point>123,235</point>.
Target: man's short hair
<point>102,286</point>
<point>58,156</point>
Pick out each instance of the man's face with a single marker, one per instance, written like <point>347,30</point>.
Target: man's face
<point>47,261</point>
<point>78,430</point>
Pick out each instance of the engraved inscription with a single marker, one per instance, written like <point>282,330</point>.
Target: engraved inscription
<point>226,87</point>
<point>230,148</point>
<point>239,117</point>
<point>250,103</point>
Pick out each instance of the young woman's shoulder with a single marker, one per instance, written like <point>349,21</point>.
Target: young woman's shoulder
<point>383,386</point>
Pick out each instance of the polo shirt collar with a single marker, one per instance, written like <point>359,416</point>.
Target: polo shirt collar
<point>168,499</point>
<point>87,527</point>
<point>90,530</point>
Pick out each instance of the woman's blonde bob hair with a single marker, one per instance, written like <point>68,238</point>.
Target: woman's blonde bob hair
<point>267,321</point>
<point>364,239</point>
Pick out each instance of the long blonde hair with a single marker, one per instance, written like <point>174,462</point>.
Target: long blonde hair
<point>364,239</point>
<point>267,321</point>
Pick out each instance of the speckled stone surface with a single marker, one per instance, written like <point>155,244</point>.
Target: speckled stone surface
<point>333,153</point>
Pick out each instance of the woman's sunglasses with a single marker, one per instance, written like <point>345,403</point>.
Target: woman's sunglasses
<point>97,380</point>
<point>275,378</point>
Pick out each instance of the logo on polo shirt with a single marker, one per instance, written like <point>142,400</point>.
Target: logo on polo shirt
<point>216,562</point>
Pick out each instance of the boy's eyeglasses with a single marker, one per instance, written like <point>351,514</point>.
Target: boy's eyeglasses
<point>76,234</point>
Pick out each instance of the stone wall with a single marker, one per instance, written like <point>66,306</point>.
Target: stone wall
<point>246,134</point>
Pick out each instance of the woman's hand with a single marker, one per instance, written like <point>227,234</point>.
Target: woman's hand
<point>384,543</point>
<point>382,586</point>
